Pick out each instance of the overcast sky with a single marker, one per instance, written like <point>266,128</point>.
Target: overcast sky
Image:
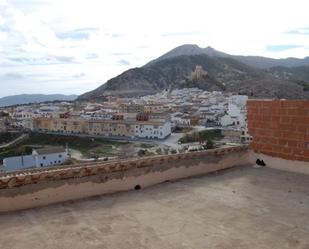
<point>73,46</point>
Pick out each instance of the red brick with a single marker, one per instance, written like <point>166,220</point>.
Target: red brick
<point>273,141</point>
<point>265,111</point>
<point>301,158</point>
<point>264,132</point>
<point>305,120</point>
<point>292,103</point>
<point>283,112</point>
<point>302,128</point>
<point>302,112</point>
<point>280,128</point>
<point>297,120</point>
<point>267,104</point>
<point>301,144</point>
<point>306,104</point>
<point>266,147</point>
<point>271,153</point>
<point>275,111</point>
<point>287,127</point>
<point>252,111</point>
<point>286,150</point>
<point>285,120</point>
<point>276,133</point>
<point>252,102</point>
<point>274,126</point>
<point>292,112</point>
<point>276,104</point>
<point>292,135</point>
<point>266,118</point>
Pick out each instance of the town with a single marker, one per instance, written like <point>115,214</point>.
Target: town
<point>168,122</point>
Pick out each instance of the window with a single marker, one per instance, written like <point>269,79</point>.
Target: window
<point>55,161</point>
<point>44,157</point>
<point>60,156</point>
<point>41,164</point>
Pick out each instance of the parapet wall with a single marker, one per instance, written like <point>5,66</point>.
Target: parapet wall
<point>33,188</point>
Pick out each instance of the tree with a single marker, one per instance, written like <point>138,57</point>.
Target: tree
<point>209,144</point>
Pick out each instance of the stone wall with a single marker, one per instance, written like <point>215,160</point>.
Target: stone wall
<point>33,188</point>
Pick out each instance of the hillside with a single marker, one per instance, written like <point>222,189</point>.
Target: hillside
<point>33,98</point>
<point>223,72</point>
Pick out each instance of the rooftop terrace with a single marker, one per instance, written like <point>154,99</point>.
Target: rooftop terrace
<point>241,207</point>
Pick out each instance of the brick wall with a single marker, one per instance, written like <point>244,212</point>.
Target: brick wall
<point>280,128</point>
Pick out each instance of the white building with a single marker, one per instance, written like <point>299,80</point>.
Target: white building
<point>159,130</point>
<point>39,158</point>
<point>237,112</point>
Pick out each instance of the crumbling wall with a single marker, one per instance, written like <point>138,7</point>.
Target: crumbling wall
<point>42,187</point>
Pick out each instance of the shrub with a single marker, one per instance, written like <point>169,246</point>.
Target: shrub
<point>141,153</point>
<point>209,144</point>
<point>159,151</point>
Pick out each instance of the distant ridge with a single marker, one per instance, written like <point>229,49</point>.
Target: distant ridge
<point>255,76</point>
<point>33,98</point>
<point>252,61</point>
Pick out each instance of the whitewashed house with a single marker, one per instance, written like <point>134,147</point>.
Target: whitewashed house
<point>39,158</point>
<point>156,130</point>
<point>237,112</point>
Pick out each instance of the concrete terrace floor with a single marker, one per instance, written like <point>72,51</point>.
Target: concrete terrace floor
<point>243,207</point>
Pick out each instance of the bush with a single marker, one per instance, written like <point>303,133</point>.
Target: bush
<point>159,151</point>
<point>141,153</point>
<point>209,144</point>
<point>201,136</point>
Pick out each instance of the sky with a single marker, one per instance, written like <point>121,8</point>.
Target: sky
<point>74,46</point>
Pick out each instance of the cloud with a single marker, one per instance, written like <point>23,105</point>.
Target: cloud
<point>302,31</point>
<point>12,76</point>
<point>119,54</point>
<point>117,35</point>
<point>181,33</point>
<point>47,60</point>
<point>66,59</point>
<point>124,62</point>
<point>279,48</point>
<point>77,34</point>
<point>92,56</point>
<point>80,75</point>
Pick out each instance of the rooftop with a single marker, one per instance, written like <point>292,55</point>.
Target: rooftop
<point>243,207</point>
<point>50,150</point>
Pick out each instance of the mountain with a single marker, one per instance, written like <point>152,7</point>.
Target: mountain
<point>216,71</point>
<point>252,61</point>
<point>189,49</point>
<point>291,73</point>
<point>34,98</point>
